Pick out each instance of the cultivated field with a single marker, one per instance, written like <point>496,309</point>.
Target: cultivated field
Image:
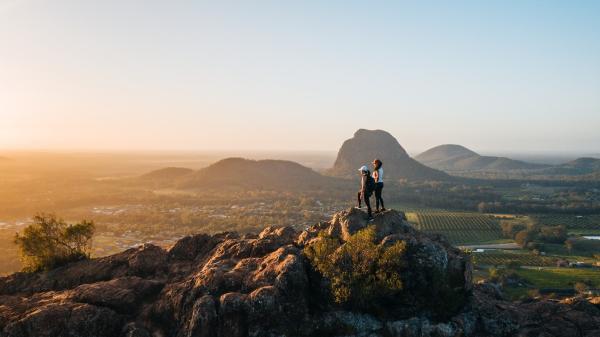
<point>504,257</point>
<point>458,227</point>
<point>561,277</point>
<point>575,222</point>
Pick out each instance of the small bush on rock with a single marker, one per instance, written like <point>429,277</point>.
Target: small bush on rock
<point>360,271</point>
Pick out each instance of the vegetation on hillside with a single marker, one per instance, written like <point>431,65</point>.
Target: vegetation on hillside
<point>361,272</point>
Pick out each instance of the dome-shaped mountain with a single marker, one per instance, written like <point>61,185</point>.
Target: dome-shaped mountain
<point>262,174</point>
<point>367,145</point>
<point>451,157</point>
<point>445,152</point>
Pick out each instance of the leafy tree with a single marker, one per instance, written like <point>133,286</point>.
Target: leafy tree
<point>50,242</point>
<point>509,228</point>
<point>524,237</point>
<point>553,234</point>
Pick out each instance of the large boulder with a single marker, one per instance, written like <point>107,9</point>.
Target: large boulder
<point>121,295</point>
<point>64,319</point>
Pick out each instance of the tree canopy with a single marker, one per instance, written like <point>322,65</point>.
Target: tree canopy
<point>50,242</point>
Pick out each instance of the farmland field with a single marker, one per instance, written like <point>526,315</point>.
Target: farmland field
<point>504,257</point>
<point>475,228</point>
<point>547,278</point>
<point>582,222</point>
<point>458,227</point>
<point>561,277</point>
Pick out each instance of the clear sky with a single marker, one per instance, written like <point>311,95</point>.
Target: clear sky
<point>198,75</point>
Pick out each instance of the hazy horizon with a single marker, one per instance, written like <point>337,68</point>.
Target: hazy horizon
<point>233,151</point>
<point>235,76</point>
<point>317,159</point>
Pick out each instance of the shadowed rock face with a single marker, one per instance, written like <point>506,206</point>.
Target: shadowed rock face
<point>367,145</point>
<point>262,285</point>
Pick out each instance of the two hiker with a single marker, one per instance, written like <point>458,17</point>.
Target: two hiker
<point>370,183</point>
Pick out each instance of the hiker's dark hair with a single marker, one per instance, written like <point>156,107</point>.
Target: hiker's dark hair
<point>377,163</point>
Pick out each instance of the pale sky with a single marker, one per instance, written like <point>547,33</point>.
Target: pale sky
<point>302,75</point>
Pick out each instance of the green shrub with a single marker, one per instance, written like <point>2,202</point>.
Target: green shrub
<point>50,242</point>
<point>360,271</point>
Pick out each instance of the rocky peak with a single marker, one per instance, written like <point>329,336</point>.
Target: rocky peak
<point>262,285</point>
<point>367,145</point>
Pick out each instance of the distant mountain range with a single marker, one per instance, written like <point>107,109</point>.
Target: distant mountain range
<point>456,159</point>
<point>451,157</point>
<point>580,166</point>
<point>436,164</point>
<point>366,145</point>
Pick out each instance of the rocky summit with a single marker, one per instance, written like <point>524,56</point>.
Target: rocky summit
<point>263,285</point>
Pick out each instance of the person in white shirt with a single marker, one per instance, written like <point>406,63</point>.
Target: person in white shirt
<point>378,177</point>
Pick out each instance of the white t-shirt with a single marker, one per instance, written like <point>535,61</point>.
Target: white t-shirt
<point>380,173</point>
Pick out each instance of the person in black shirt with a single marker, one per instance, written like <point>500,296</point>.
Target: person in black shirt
<point>367,185</point>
